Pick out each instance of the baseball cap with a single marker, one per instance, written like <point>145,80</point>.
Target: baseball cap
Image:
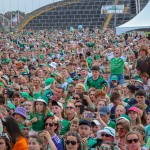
<point>114,78</point>
<point>96,122</point>
<point>104,110</point>
<point>84,122</point>
<point>57,103</point>
<point>133,108</point>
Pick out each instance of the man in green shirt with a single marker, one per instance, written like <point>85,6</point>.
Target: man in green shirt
<point>84,130</point>
<point>96,81</point>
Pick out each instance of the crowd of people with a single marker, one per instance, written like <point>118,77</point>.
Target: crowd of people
<point>75,89</point>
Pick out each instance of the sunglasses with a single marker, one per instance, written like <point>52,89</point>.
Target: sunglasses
<point>77,98</point>
<point>69,107</point>
<point>72,142</point>
<point>78,106</point>
<point>50,124</point>
<point>106,135</point>
<point>132,140</point>
<point>120,129</point>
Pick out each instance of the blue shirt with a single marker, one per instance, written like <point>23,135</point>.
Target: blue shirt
<point>58,142</point>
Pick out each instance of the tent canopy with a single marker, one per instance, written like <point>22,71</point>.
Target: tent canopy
<point>141,21</point>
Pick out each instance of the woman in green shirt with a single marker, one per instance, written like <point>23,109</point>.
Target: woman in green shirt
<point>117,66</point>
<point>37,91</point>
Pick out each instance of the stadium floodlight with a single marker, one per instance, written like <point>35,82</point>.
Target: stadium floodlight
<point>135,6</point>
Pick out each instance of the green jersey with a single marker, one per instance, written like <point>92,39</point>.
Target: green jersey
<point>39,125</point>
<point>64,126</point>
<point>98,84</point>
<point>117,66</point>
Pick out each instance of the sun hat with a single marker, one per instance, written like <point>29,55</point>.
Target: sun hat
<point>139,80</point>
<point>125,117</point>
<point>21,111</point>
<point>42,98</point>
<point>6,77</point>
<point>107,130</point>
<point>133,108</point>
<point>53,65</point>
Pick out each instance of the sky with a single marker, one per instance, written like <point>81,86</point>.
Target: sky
<point>23,5</point>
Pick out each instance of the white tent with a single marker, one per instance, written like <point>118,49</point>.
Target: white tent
<point>141,21</point>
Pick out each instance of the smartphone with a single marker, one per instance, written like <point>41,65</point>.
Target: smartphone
<point>1,127</point>
<point>81,109</point>
<point>83,100</point>
<point>90,115</point>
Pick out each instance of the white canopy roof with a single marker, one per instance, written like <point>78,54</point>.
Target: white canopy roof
<point>141,21</point>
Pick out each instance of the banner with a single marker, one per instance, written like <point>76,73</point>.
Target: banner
<point>111,9</point>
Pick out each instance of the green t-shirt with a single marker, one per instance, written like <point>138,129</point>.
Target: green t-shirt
<point>39,125</point>
<point>89,61</point>
<point>98,84</point>
<point>117,66</point>
<point>48,93</point>
<point>91,142</point>
<point>64,126</point>
<point>90,44</point>
<point>37,94</point>
<point>21,126</point>
<point>7,60</point>
<point>96,57</point>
